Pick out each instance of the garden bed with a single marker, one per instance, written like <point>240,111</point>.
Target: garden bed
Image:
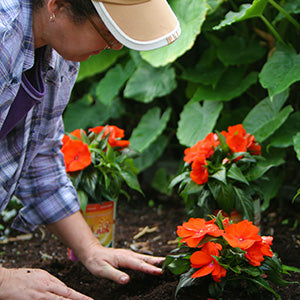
<point>43,250</point>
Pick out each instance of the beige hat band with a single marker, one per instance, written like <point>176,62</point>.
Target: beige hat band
<point>123,2</point>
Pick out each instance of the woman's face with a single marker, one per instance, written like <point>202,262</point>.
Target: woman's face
<point>78,41</point>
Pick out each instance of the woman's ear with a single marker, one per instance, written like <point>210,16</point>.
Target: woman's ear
<point>55,6</point>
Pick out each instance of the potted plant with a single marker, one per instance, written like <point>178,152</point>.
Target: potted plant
<point>219,255</point>
<point>99,162</point>
<point>218,175</point>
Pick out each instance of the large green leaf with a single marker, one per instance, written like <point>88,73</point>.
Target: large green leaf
<point>266,117</point>
<point>99,63</point>
<point>281,70</point>
<point>236,50</point>
<point>149,128</point>
<point>291,7</point>
<point>270,186</point>
<point>207,71</point>
<point>273,159</point>
<point>283,137</point>
<point>247,11</point>
<point>297,144</point>
<point>151,154</point>
<point>191,15</point>
<point>148,83</point>
<point>231,85</point>
<point>83,114</point>
<point>196,121</point>
<point>109,87</point>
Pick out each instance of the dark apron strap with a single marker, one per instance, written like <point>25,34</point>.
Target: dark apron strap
<point>18,110</point>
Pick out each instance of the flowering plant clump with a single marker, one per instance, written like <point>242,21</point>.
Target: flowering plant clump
<point>218,171</point>
<point>98,162</point>
<point>221,254</point>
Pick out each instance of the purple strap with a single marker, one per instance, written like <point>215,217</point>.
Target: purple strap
<point>31,91</point>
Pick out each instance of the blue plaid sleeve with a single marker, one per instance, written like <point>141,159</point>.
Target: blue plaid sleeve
<point>45,190</point>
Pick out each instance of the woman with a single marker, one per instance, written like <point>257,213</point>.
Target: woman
<point>41,43</point>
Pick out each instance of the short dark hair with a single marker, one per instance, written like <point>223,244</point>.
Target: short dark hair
<point>79,8</point>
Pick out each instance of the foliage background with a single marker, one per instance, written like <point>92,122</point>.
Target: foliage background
<point>235,62</point>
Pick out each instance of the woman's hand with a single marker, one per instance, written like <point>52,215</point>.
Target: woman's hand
<point>104,262</point>
<point>100,261</point>
<point>34,284</point>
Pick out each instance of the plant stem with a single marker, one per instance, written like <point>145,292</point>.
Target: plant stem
<point>272,29</point>
<point>287,15</point>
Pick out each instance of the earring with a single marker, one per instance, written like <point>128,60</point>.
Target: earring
<point>52,18</point>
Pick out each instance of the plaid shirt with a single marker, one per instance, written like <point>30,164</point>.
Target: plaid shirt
<point>31,163</point>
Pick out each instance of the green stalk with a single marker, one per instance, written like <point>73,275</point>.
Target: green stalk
<point>287,15</point>
<point>272,29</point>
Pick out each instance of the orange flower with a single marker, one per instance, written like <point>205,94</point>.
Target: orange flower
<point>206,263</point>
<point>199,173</point>
<point>76,155</point>
<point>77,133</point>
<point>193,231</point>
<point>65,139</point>
<point>255,254</point>
<point>202,148</point>
<point>243,235</point>
<point>238,140</point>
<point>252,146</point>
<point>115,135</point>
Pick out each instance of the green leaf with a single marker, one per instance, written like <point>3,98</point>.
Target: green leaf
<point>148,83</point>
<point>191,15</point>
<point>232,84</point>
<point>185,280</point>
<point>204,73</point>
<point>244,203</point>
<point>246,11</point>
<point>290,269</point>
<point>274,159</point>
<point>151,154</point>
<point>220,175</point>
<point>281,70</point>
<point>236,50</point>
<point>291,7</point>
<point>149,128</point>
<point>160,182</point>
<point>223,194</point>
<point>179,265</point>
<point>99,63</point>
<point>283,137</point>
<point>263,283</point>
<point>196,121</point>
<point>263,120</point>
<point>109,87</point>
<point>82,114</point>
<point>296,141</point>
<point>131,180</point>
<point>270,186</point>
<point>235,173</point>
<point>179,178</point>
<point>83,199</point>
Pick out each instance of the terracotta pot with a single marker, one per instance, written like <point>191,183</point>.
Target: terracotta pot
<point>101,220</point>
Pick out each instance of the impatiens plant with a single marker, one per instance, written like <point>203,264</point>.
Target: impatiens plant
<point>221,254</point>
<point>217,174</point>
<point>98,162</point>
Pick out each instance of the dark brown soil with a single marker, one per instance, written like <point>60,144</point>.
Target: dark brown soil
<point>43,250</point>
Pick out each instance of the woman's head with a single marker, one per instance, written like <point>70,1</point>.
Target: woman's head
<point>72,27</point>
<point>77,8</point>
